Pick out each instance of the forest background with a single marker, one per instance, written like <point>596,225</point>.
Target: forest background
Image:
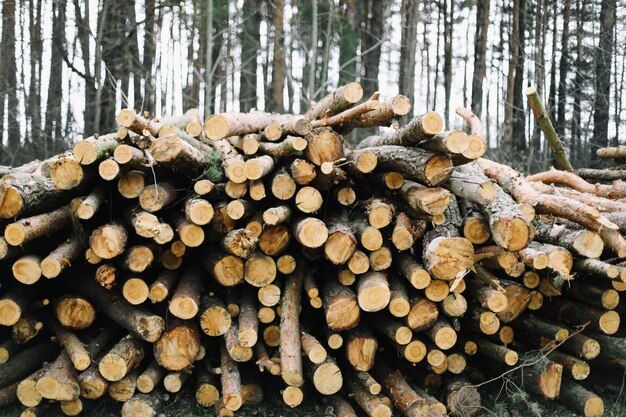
<point>67,66</point>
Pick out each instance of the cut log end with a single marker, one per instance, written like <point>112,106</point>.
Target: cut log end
<point>609,322</point>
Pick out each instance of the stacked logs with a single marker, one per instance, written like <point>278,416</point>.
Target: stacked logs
<point>258,251</point>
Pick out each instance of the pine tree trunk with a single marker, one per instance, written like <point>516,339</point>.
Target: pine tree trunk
<point>603,59</point>
<point>480,52</point>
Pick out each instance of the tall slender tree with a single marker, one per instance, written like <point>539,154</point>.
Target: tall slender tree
<point>279,66</point>
<point>510,79</point>
<point>373,33</point>
<point>518,133</point>
<point>564,65</point>
<point>448,21</point>
<point>8,80</point>
<point>249,37</point>
<point>408,47</point>
<point>603,57</point>
<point>54,104</point>
<point>349,41</point>
<point>480,52</point>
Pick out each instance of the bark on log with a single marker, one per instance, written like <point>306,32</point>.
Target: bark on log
<point>291,359</point>
<point>138,320</point>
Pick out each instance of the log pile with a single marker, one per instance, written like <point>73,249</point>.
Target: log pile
<point>257,252</point>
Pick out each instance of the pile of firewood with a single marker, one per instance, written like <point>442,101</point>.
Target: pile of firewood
<point>260,253</point>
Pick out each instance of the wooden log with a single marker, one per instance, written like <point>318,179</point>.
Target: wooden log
<point>437,290</point>
<point>373,292</point>
<point>486,296</point>
<point>402,395</point>
<point>31,228</point>
<point>26,362</point>
<point>148,380</point>
<point>239,242</point>
<point>228,270</point>
<point>580,400</point>
<point>155,197</point>
<point>406,231</point>
<point>95,148</point>
<point>207,389</point>
<point>125,356</point>
<point>131,183</point>
<point>27,194</point>
<point>442,334</point>
<point>591,294</point>
<point>310,232</point>
<point>291,359</point>
<point>92,203</point>
<point>136,319</point>
<point>185,302</point>
<point>581,242</point>
<point>214,318</point>
<point>324,145</point>
<point>423,314</point>
<point>124,389</point>
<point>518,299</point>
<point>508,225</point>
<point>335,102</point>
<point>8,349</point>
<point>428,168</point>
<point>178,346</point>
<point>419,129</point>
<point>582,346</point>
<point>616,190</point>
<point>248,321</point>
<point>361,347</point>
<point>475,225</point>
<point>59,381</point>
<point>462,398</point>
<point>259,270</point>
<point>27,269</point>
<point>274,240</point>
<point>481,320</point>
<point>74,312</point>
<point>575,314</point>
<point>108,241</point>
<point>76,351</point>
<point>230,381</point>
<point>454,305</point>
<point>341,307</point>
<point>326,376</point>
<point>399,305</point>
<point>446,255</point>
<point>302,173</point>
<point>26,329</point>
<point>109,170</point>
<point>142,405</point>
<point>415,273</point>
<point>565,207</point>
<point>470,183</point>
<point>13,305</point>
<point>67,173</point>
<point>339,406</point>
<point>609,174</point>
<point>371,404</point>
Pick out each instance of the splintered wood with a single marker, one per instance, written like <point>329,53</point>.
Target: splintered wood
<point>260,253</point>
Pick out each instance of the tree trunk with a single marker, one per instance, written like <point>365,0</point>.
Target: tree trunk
<point>408,48</point>
<point>603,59</point>
<point>250,44</point>
<point>279,67</point>
<point>480,52</point>
<point>564,66</point>
<point>519,116</point>
<point>370,51</point>
<point>448,21</point>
